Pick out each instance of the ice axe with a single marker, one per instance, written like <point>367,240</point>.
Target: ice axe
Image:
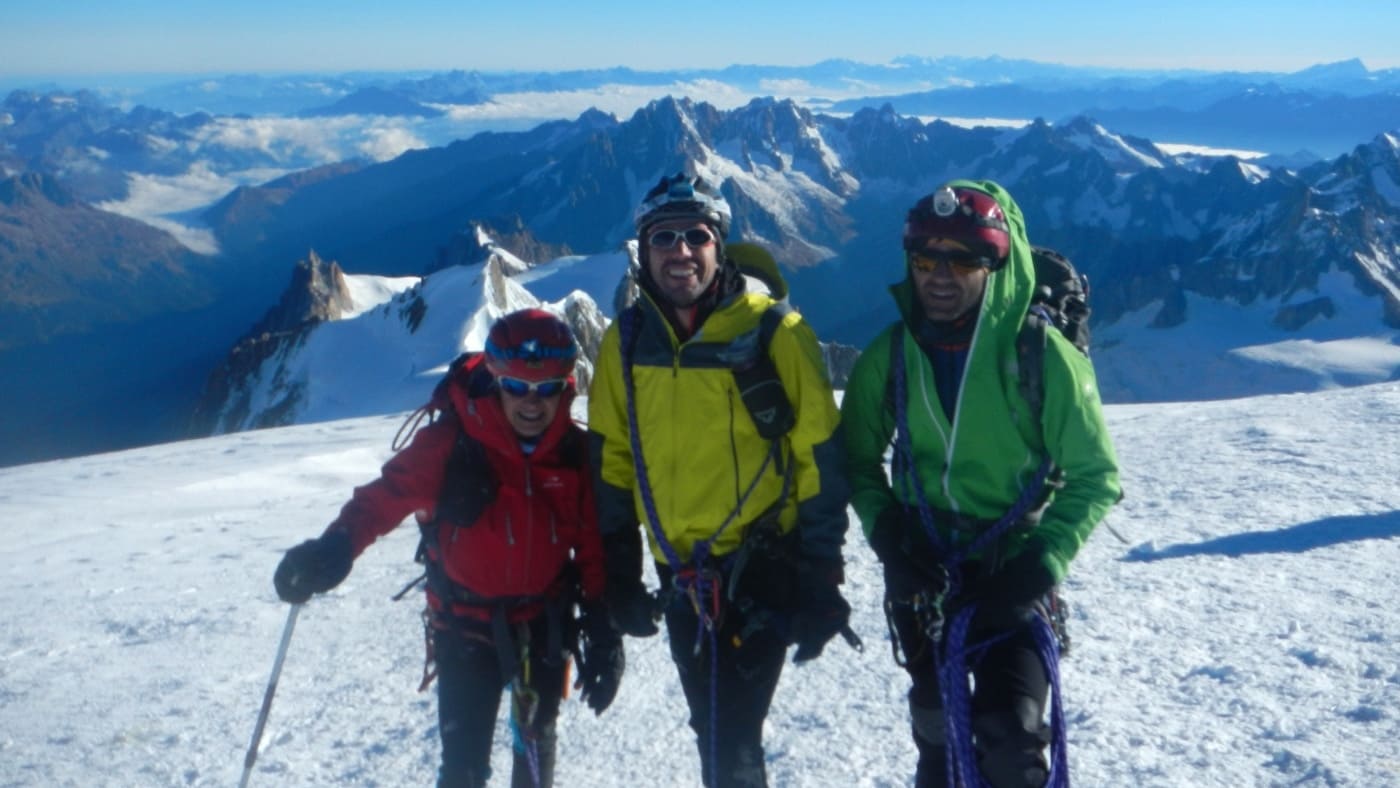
<point>252,756</point>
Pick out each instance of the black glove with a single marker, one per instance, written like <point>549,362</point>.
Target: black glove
<point>824,612</point>
<point>908,564</point>
<point>632,609</point>
<point>601,658</point>
<point>314,566</point>
<point>1005,597</point>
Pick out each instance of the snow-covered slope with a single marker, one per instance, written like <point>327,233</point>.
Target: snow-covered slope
<point>1245,635</point>
<point>1238,350</point>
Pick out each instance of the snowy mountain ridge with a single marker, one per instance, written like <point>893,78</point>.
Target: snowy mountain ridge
<point>387,351</point>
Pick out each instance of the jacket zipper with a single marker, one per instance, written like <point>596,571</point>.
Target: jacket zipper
<point>734,454</point>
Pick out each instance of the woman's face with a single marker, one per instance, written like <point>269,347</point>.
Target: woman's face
<point>531,414</point>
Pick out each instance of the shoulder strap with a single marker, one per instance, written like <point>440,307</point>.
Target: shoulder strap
<point>760,387</point>
<point>1030,359</point>
<point>573,449</point>
<point>468,487</point>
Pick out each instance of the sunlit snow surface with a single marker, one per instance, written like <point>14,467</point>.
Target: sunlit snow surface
<point>1245,634</point>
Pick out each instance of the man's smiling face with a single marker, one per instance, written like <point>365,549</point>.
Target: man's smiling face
<point>681,272</point>
<point>946,290</point>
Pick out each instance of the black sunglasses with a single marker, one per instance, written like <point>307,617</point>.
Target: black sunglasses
<point>695,238</point>
<point>926,262</point>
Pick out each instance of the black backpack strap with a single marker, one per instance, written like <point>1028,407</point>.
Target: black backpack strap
<point>468,487</point>
<point>1030,362</point>
<point>1030,359</point>
<point>896,357</point>
<point>468,483</point>
<point>760,387</point>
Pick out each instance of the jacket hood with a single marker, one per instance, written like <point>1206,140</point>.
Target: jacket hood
<point>1009,289</point>
<point>471,392</point>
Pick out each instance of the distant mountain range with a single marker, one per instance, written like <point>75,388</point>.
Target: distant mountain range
<point>1173,244</point>
<point>1341,103</point>
<point>828,194</point>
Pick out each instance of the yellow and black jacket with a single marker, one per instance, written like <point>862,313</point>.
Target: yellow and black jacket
<point>706,462</point>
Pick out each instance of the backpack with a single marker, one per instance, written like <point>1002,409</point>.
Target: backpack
<point>1061,299</point>
<point>1064,294</point>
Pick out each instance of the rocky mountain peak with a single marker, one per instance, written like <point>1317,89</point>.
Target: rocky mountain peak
<point>510,239</point>
<point>32,188</point>
<point>317,293</point>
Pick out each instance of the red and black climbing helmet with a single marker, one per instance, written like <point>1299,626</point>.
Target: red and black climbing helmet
<point>532,345</point>
<point>963,214</point>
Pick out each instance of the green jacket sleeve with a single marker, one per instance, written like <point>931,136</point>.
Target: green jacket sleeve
<point>1077,439</point>
<point>867,427</point>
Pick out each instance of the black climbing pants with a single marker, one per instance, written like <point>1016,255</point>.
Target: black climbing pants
<point>470,685</point>
<point>744,678</point>
<point>1010,688</point>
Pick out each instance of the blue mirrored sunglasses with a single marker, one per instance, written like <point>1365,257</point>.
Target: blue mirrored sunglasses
<point>523,388</point>
<point>695,238</point>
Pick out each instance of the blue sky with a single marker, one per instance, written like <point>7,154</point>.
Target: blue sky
<point>49,37</point>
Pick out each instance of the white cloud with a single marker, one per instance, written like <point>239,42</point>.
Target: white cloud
<point>1177,149</point>
<point>382,143</point>
<point>618,100</point>
<point>971,123</point>
<point>157,200</point>
<point>318,139</point>
<point>787,87</point>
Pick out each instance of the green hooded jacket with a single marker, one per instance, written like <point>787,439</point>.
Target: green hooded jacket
<point>977,465</point>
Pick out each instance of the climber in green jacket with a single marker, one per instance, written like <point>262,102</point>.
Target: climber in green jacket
<point>948,384</point>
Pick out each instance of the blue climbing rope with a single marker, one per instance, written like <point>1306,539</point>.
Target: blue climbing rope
<point>953,662</point>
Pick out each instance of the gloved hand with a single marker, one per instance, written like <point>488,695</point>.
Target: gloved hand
<point>601,658</point>
<point>909,567</point>
<point>1005,597</point>
<point>630,608</point>
<point>314,566</point>
<point>1023,579</point>
<point>824,612</point>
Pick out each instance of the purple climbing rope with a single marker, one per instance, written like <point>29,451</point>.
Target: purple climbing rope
<point>954,660</point>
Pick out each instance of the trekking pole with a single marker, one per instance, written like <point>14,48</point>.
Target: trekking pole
<point>252,756</point>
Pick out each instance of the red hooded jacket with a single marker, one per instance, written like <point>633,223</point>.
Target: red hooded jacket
<point>539,519</point>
